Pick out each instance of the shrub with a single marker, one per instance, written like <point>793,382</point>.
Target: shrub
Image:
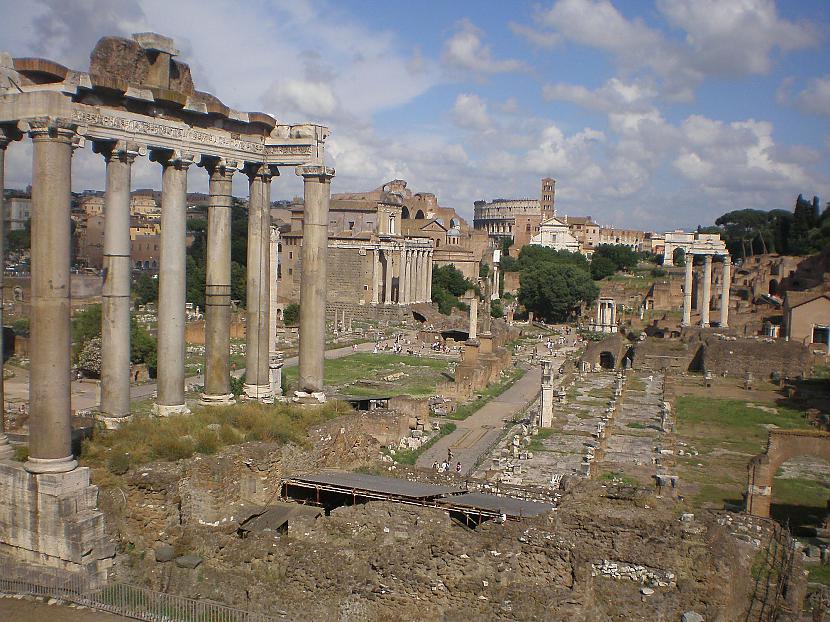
<point>291,315</point>
<point>119,463</point>
<point>206,442</point>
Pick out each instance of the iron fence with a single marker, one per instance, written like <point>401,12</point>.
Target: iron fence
<point>114,597</point>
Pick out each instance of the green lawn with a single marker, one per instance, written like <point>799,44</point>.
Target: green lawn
<point>362,375</point>
<point>727,433</point>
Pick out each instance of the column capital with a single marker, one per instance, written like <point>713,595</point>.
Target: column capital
<point>258,169</point>
<point>120,150</point>
<point>9,134</point>
<point>275,234</point>
<point>173,157</point>
<point>41,128</point>
<point>220,166</point>
<point>323,173</point>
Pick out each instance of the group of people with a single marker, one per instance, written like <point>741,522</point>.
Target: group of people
<point>445,466</point>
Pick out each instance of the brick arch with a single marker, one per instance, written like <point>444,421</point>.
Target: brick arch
<point>782,445</point>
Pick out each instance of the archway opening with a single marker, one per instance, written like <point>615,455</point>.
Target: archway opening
<point>678,256</point>
<point>606,360</point>
<point>773,287</point>
<point>801,494</point>
<point>419,215</point>
<point>405,213</point>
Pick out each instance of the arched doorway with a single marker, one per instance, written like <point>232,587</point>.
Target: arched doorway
<point>419,215</point>
<point>606,360</point>
<point>678,256</point>
<point>405,213</point>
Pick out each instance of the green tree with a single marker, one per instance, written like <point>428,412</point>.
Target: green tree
<point>20,239</point>
<point>89,358</point>
<point>496,309</point>
<point>556,291</point>
<point>448,284</point>
<point>601,267</point>
<point>86,324</point>
<point>622,257</point>
<point>145,289</point>
<point>142,345</point>
<point>291,315</point>
<point>483,270</point>
<point>679,257</point>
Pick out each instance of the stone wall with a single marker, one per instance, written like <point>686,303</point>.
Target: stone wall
<point>53,519</point>
<point>760,358</point>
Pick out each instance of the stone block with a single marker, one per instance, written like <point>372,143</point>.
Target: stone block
<point>165,553</point>
<point>188,561</point>
<point>57,484</point>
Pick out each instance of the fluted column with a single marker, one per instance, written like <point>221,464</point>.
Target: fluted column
<point>172,282</point>
<point>473,333</point>
<point>687,292</point>
<point>257,377</point>
<point>115,299</point>
<point>387,288</point>
<point>726,283</point>
<point>707,290</point>
<point>420,276</point>
<point>376,276</point>
<point>50,418</point>
<point>404,282</point>
<point>317,191</point>
<point>429,276</point>
<point>6,450</point>
<point>218,284</point>
<point>275,358</point>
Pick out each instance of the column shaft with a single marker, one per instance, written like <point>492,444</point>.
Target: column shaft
<point>50,419</point>
<point>172,283</point>
<point>387,289</point>
<point>317,191</point>
<point>687,292</point>
<point>473,317</point>
<point>274,357</point>
<point>404,284</point>
<point>376,276</point>
<point>257,376</point>
<point>726,283</point>
<point>707,290</point>
<point>218,285</point>
<point>115,307</point>
<point>6,450</point>
<point>429,277</point>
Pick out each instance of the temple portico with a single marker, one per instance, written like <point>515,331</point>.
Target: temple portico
<point>704,286</point>
<point>152,109</point>
<point>606,319</point>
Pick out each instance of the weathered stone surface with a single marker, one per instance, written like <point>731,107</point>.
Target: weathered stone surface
<point>188,561</point>
<point>692,616</point>
<point>165,553</point>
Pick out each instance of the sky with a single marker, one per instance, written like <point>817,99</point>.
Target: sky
<point>650,114</point>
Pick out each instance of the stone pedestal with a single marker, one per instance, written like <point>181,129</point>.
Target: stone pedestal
<point>471,351</point>
<point>52,519</point>
<point>485,343</point>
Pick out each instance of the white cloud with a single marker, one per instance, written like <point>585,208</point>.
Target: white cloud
<point>735,38</point>
<point>815,98</point>
<point>470,112</point>
<point>614,95</point>
<point>545,40</point>
<point>315,99</point>
<point>466,51</point>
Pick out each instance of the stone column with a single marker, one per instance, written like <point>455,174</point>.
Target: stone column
<point>387,288</point>
<point>496,282</point>
<point>275,358</point>
<point>687,292</point>
<point>317,191</point>
<point>725,285</point>
<point>599,312</point>
<point>707,290</point>
<point>376,276</point>
<point>172,282</point>
<point>257,376</point>
<point>416,275</point>
<point>218,284</point>
<point>50,418</point>
<point>115,307</point>
<point>429,277</point>
<point>6,450</point>
<point>403,280</point>
<point>473,316</point>
<point>546,399</point>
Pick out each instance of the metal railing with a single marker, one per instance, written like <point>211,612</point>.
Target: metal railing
<point>119,598</point>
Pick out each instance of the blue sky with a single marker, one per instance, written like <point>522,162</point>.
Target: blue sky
<point>653,114</point>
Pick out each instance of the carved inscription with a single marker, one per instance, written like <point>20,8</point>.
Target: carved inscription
<point>300,150</point>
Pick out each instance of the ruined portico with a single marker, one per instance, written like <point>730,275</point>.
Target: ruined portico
<point>135,100</point>
<point>704,292</point>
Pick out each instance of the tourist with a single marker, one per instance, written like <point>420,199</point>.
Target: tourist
<point>458,468</point>
<point>435,465</point>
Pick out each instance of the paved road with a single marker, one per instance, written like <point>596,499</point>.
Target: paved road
<point>477,433</point>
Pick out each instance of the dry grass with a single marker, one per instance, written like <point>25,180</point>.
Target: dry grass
<point>146,438</point>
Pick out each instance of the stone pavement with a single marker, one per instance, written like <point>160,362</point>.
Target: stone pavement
<point>478,432</point>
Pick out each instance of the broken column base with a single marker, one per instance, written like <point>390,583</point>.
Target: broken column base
<point>258,393</point>
<point>303,397</point>
<point>110,422</point>
<point>52,519</point>
<point>166,410</point>
<point>217,400</point>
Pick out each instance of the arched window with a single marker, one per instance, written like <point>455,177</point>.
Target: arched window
<point>405,213</point>
<point>419,215</point>
<point>392,225</point>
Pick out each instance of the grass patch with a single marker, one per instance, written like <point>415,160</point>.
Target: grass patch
<point>819,574</point>
<point>146,439</point>
<point>422,375</point>
<point>410,456</point>
<point>537,443</point>
<point>494,390</point>
<point>636,425</point>
<point>618,477</point>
